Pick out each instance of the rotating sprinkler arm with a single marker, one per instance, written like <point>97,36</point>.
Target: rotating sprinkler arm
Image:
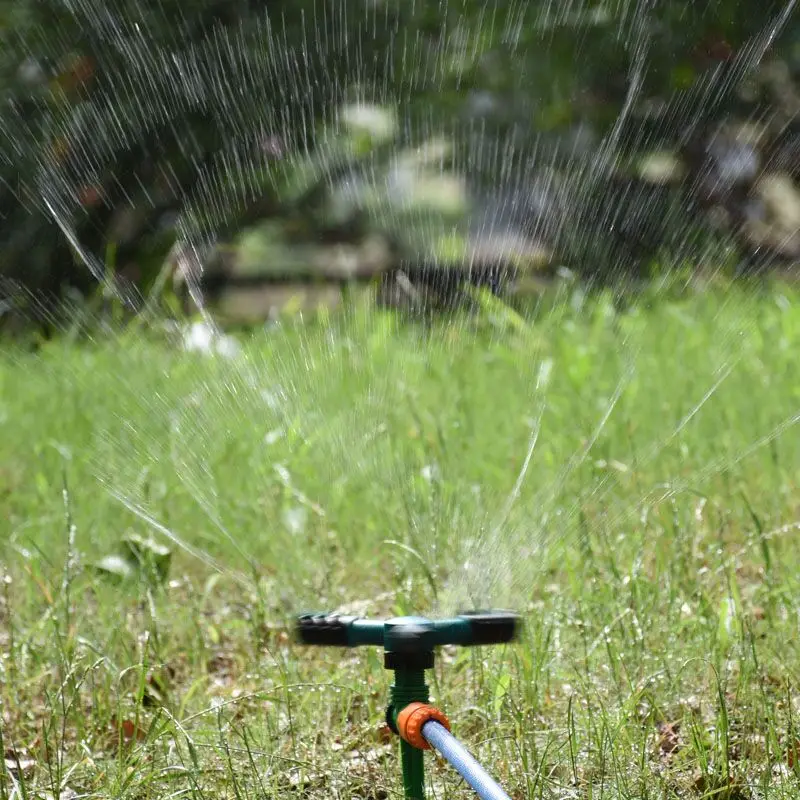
<point>408,644</point>
<point>408,633</point>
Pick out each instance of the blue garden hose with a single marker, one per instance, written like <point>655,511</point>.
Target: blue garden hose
<point>462,761</point>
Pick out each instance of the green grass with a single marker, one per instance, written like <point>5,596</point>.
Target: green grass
<point>652,547</point>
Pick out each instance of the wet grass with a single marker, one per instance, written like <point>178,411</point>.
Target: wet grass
<point>652,547</point>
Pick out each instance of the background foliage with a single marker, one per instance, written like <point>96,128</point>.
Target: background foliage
<point>128,118</point>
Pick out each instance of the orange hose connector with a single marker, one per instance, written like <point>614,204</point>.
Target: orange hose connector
<point>411,719</point>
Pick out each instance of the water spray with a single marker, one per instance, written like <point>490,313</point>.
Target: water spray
<point>408,644</point>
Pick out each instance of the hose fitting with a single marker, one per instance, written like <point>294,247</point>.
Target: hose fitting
<point>411,719</point>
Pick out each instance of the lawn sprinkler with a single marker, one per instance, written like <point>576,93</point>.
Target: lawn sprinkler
<point>408,644</point>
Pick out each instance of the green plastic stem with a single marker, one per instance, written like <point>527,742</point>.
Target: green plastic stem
<point>413,771</point>
<point>409,687</point>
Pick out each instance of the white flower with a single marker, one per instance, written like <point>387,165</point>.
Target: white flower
<point>430,472</point>
<point>295,519</point>
<point>202,338</point>
<point>377,122</point>
<point>199,338</point>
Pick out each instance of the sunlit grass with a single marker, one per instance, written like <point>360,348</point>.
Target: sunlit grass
<point>650,541</point>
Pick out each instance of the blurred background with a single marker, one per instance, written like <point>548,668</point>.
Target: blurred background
<point>295,147</point>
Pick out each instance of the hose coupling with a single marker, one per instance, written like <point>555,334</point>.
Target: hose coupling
<point>411,720</point>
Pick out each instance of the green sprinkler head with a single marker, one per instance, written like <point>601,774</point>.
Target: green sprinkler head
<point>408,644</point>
<point>408,641</point>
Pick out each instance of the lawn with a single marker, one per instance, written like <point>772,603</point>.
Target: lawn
<point>627,478</point>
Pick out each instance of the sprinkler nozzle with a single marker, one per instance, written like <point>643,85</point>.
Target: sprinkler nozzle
<point>408,634</point>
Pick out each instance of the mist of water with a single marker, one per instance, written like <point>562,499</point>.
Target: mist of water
<point>274,107</point>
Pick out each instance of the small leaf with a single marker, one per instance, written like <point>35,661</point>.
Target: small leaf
<point>149,555</point>
<point>115,567</point>
<point>500,691</point>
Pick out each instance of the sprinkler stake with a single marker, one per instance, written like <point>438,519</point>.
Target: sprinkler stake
<point>408,644</point>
